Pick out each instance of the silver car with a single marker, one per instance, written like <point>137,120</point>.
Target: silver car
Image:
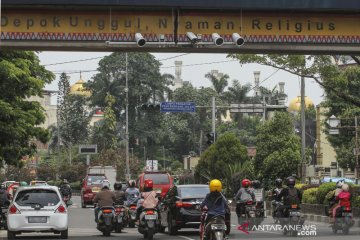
<point>37,209</point>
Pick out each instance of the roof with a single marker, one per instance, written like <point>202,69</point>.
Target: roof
<point>295,103</point>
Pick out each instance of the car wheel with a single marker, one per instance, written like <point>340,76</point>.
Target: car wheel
<point>11,235</point>
<point>64,234</point>
<point>171,228</point>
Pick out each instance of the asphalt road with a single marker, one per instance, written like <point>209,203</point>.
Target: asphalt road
<point>82,226</point>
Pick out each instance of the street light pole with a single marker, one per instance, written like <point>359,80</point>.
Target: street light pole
<point>303,143</point>
<point>127,118</point>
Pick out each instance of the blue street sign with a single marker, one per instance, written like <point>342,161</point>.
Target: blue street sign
<point>177,107</point>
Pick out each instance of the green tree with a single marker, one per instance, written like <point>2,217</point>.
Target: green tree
<point>344,142</point>
<point>214,161</point>
<point>21,76</point>
<point>218,80</point>
<point>277,148</point>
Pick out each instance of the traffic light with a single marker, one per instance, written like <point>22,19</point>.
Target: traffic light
<point>150,107</point>
<point>211,138</point>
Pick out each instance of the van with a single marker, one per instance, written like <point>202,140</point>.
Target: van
<point>91,185</point>
<point>162,181</point>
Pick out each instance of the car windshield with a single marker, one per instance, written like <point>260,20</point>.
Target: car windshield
<point>44,197</point>
<point>158,178</point>
<point>193,192</point>
<point>95,180</point>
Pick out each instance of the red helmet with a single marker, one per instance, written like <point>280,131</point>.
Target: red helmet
<point>246,183</point>
<point>148,183</point>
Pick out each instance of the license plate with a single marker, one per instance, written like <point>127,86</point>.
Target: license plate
<point>37,219</point>
<point>150,217</point>
<point>293,214</point>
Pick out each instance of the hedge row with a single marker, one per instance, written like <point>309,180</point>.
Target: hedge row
<point>324,192</point>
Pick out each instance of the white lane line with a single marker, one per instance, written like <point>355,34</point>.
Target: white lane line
<point>187,238</point>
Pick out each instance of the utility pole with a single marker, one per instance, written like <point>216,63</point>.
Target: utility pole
<point>213,117</point>
<point>303,143</point>
<point>357,150</point>
<point>163,147</point>
<point>127,118</point>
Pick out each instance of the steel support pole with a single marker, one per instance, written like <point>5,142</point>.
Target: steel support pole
<point>127,118</point>
<point>303,136</point>
<point>213,117</point>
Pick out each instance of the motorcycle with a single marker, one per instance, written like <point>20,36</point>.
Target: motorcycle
<point>249,216</point>
<point>66,199</point>
<point>120,218</point>
<point>132,215</point>
<point>106,220</point>
<point>215,229</point>
<point>149,223</point>
<point>276,214</point>
<point>3,217</point>
<point>343,221</point>
<point>293,221</point>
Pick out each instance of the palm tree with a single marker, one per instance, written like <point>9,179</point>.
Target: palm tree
<point>218,80</point>
<point>237,93</point>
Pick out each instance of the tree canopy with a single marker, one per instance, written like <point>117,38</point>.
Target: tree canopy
<point>21,76</point>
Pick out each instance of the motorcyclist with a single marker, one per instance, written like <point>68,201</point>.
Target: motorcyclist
<point>65,188</point>
<point>104,198</point>
<point>149,197</point>
<point>132,193</point>
<point>244,195</point>
<point>274,193</point>
<point>344,199</point>
<point>289,196</point>
<point>119,194</point>
<point>333,201</point>
<point>214,203</point>
<point>4,196</point>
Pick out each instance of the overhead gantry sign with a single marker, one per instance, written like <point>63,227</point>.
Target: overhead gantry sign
<point>114,28</point>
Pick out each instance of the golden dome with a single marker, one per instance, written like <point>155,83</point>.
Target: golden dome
<point>78,88</point>
<point>295,104</point>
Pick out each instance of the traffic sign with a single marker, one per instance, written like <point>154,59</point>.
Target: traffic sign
<point>177,107</point>
<point>88,149</point>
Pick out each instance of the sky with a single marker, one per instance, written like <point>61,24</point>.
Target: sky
<point>195,66</point>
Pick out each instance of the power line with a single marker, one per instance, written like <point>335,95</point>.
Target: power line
<point>164,59</point>
<point>75,61</point>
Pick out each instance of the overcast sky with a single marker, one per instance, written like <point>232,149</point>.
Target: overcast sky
<point>195,66</point>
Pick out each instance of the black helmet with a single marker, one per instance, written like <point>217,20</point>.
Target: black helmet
<point>256,184</point>
<point>117,186</point>
<point>290,181</point>
<point>278,182</point>
<point>132,183</point>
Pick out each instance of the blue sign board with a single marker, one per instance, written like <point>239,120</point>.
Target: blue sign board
<point>177,107</point>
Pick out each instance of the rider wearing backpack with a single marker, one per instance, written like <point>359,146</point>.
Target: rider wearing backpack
<point>289,196</point>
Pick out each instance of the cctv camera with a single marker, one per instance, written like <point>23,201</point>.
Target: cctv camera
<point>162,38</point>
<point>217,39</point>
<point>237,39</point>
<point>140,40</point>
<point>192,37</point>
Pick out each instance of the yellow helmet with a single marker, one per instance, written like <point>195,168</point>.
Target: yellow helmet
<point>215,185</point>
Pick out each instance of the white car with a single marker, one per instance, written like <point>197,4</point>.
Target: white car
<point>37,209</point>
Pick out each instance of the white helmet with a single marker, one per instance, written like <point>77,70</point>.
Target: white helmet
<point>105,184</point>
<point>345,187</point>
<point>340,183</point>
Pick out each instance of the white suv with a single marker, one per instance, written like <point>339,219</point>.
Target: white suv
<point>37,209</point>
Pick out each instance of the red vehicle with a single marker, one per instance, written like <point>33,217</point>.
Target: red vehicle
<point>162,181</point>
<point>91,185</point>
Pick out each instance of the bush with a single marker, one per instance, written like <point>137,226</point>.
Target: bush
<point>54,182</point>
<point>329,196</point>
<point>323,190</point>
<point>355,202</point>
<point>299,186</point>
<point>75,185</point>
<point>309,196</point>
<point>308,186</point>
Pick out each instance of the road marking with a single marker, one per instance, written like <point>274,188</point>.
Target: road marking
<point>185,237</point>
